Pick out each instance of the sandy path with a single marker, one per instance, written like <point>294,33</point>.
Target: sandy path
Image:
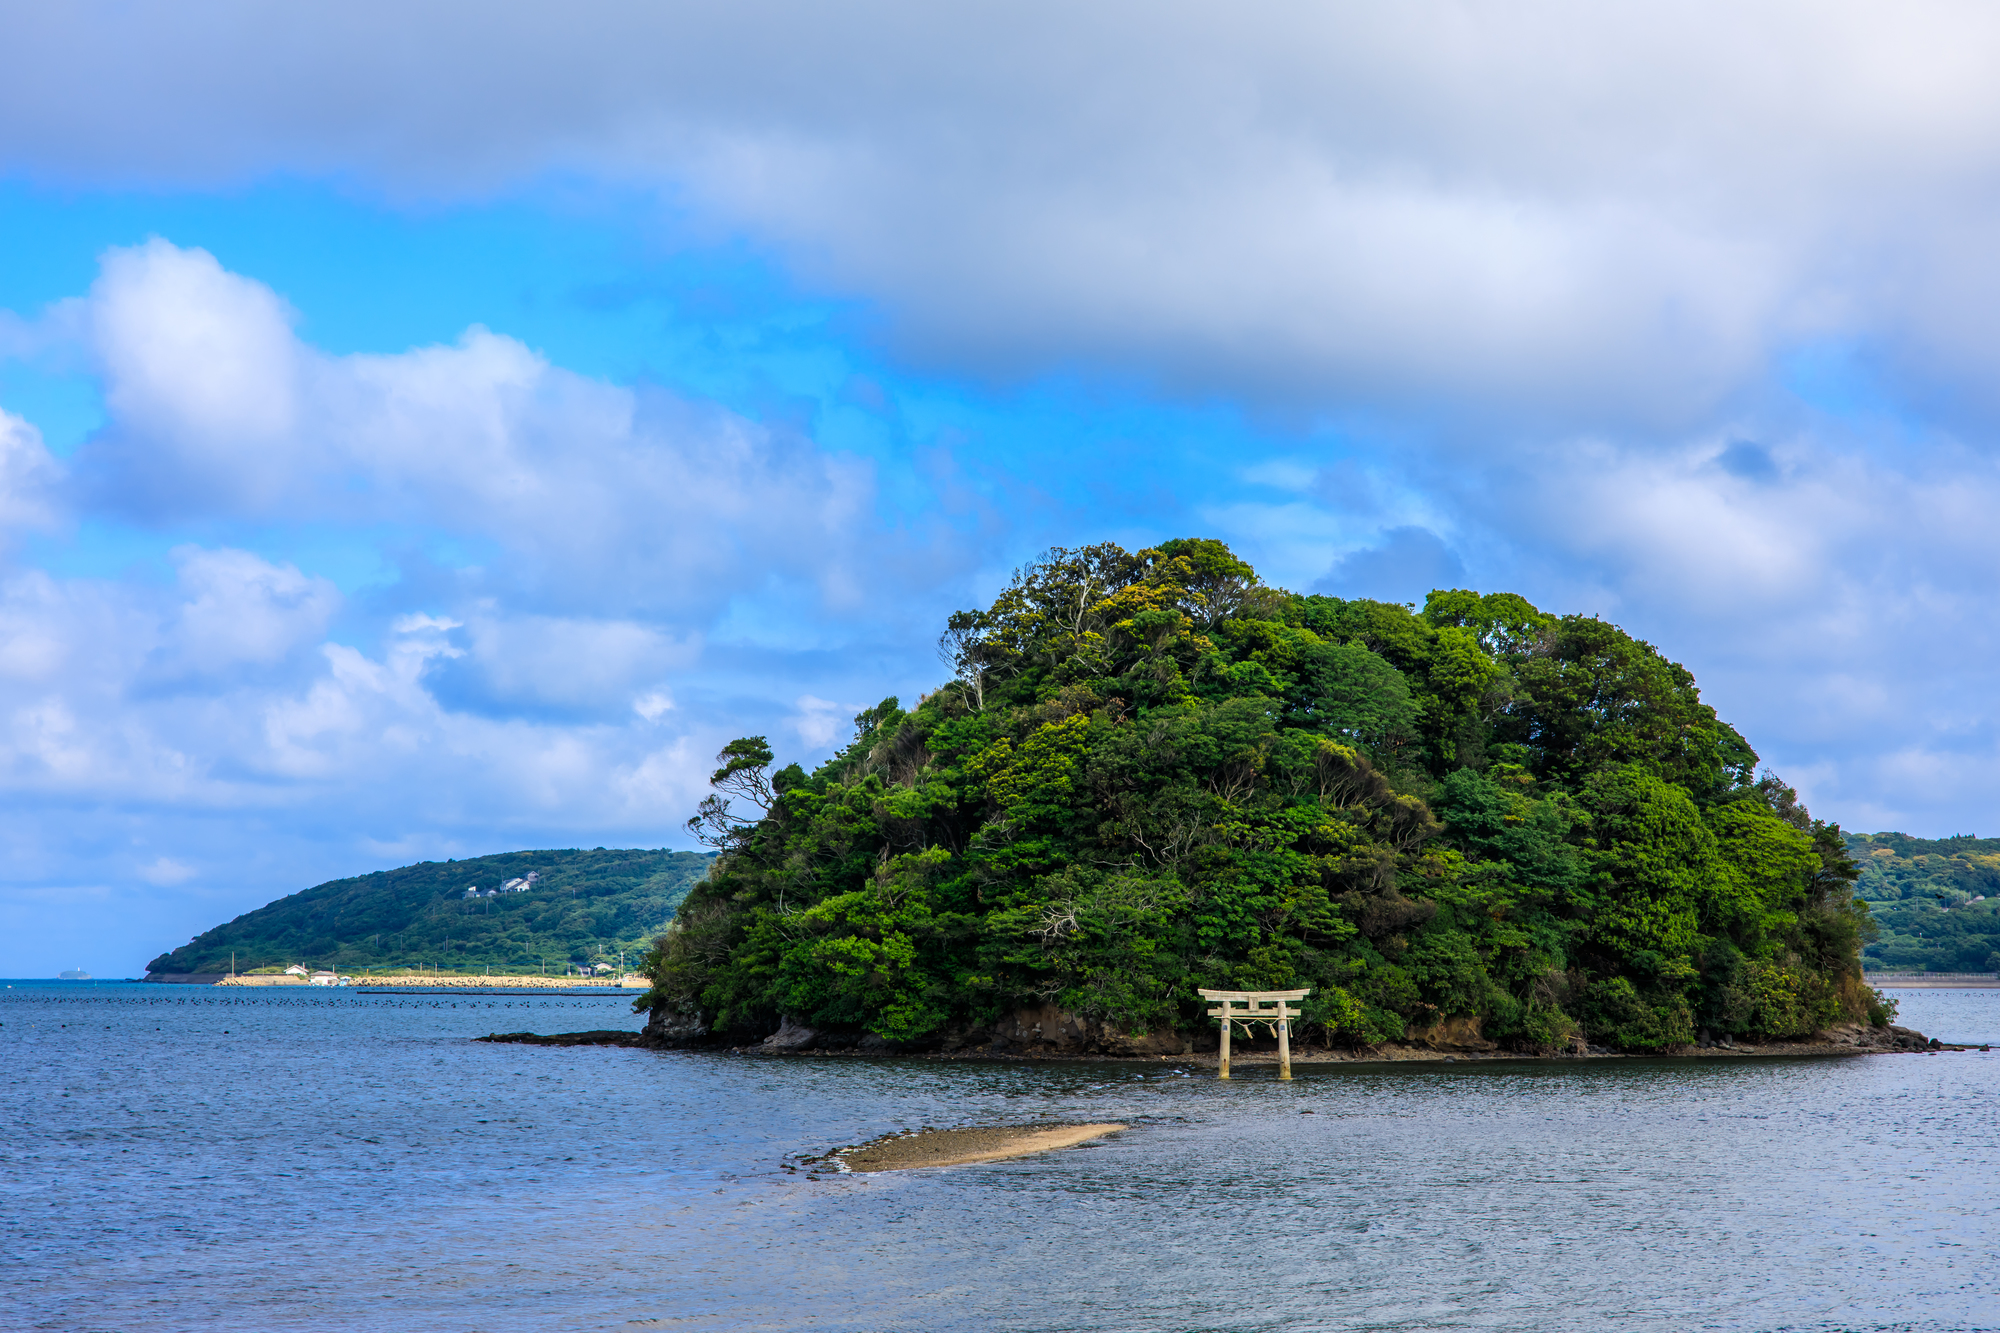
<point>957,1147</point>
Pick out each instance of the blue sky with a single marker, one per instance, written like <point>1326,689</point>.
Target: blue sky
<point>434,429</point>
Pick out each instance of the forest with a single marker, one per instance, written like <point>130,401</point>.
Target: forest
<point>1934,900</point>
<point>1150,772</point>
<point>585,908</point>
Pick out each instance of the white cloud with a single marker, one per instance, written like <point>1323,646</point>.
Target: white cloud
<point>575,485</point>
<point>201,360</point>
<point>243,608</point>
<point>242,727</point>
<point>1609,213</point>
<point>28,477</point>
<point>570,661</point>
<point>164,871</point>
<point>819,721</point>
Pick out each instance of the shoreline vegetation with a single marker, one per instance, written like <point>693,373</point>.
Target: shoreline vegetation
<point>1473,825</point>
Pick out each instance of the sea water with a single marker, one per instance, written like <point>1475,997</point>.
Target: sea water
<point>220,1159</point>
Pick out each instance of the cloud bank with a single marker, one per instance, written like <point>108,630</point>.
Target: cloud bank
<point>1596,216</point>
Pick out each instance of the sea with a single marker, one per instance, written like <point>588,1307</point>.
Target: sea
<point>192,1158</point>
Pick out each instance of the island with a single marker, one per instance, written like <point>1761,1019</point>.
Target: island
<point>1467,826</point>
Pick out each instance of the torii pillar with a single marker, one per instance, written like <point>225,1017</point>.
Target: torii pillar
<point>1272,1007</point>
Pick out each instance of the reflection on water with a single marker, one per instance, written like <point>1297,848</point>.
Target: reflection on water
<point>183,1158</point>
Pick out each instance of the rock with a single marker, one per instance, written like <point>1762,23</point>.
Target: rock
<point>1114,1042</point>
<point>600,1037</point>
<point>1050,1030</point>
<point>676,1027</point>
<point>1452,1034</point>
<point>1860,1038</point>
<point>791,1035</point>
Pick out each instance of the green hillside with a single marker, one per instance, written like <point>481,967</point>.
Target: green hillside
<point>1936,900</point>
<point>584,908</point>
<point>1154,774</point>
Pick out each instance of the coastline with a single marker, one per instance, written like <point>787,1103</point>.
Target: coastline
<point>423,981</point>
<point>1850,1040</point>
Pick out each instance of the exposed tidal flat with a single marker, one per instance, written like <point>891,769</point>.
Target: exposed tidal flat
<point>202,1158</point>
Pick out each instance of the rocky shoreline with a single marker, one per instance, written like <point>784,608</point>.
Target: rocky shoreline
<point>1447,1043</point>
<point>599,1037</point>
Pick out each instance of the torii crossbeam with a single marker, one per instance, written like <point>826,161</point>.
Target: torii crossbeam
<point>1257,1006</point>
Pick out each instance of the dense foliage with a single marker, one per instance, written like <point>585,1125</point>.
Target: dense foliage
<point>1937,900</point>
<point>1153,773</point>
<point>584,908</point>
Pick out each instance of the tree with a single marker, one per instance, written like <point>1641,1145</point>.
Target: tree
<point>740,771</point>
<point>1154,774</point>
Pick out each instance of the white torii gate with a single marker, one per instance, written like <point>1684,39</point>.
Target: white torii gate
<point>1271,1007</point>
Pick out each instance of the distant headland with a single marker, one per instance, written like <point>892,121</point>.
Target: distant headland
<point>566,913</point>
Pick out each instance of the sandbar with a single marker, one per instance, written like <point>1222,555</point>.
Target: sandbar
<point>959,1147</point>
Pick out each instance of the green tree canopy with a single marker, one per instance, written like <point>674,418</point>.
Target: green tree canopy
<point>1152,773</point>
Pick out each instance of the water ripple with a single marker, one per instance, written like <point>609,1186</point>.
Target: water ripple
<point>214,1160</point>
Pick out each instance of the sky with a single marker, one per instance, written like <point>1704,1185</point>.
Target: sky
<point>431,429</point>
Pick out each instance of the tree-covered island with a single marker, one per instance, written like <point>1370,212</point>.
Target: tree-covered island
<point>1152,773</point>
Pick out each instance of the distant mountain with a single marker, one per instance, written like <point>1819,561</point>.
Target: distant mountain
<point>1936,900</point>
<point>583,907</point>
